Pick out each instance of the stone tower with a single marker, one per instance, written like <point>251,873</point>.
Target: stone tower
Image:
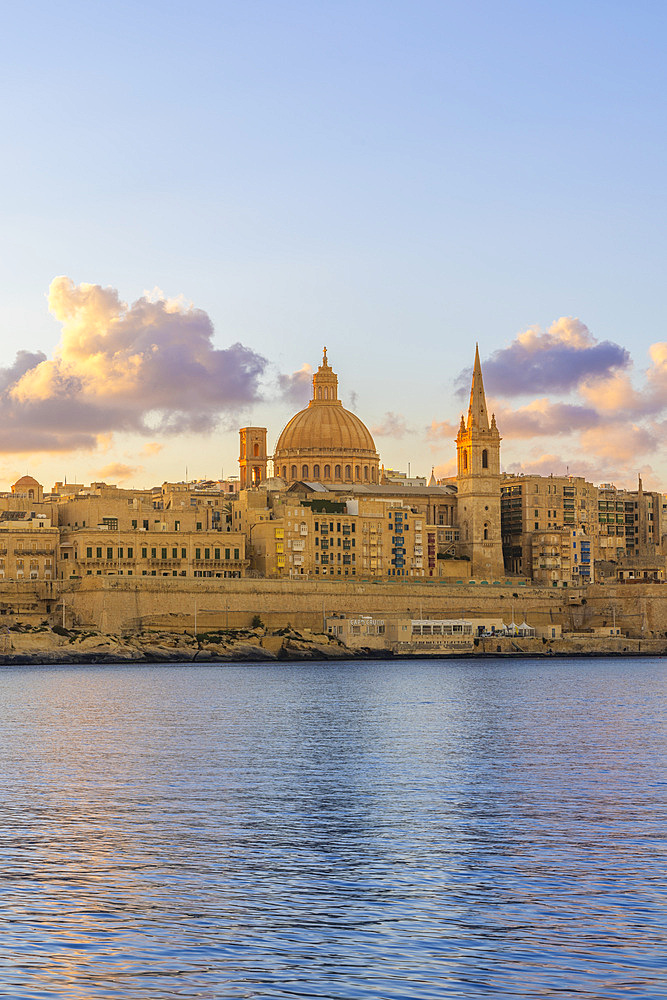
<point>252,457</point>
<point>478,482</point>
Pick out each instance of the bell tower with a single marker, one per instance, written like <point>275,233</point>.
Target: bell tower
<point>478,483</point>
<point>252,457</point>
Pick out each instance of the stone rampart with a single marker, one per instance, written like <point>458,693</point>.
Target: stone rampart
<point>116,605</point>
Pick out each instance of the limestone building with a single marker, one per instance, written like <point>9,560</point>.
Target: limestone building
<point>325,443</point>
<point>478,483</point>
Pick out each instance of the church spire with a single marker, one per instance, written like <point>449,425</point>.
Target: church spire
<point>477,413</point>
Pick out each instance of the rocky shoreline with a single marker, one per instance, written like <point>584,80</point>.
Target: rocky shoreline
<point>45,644</point>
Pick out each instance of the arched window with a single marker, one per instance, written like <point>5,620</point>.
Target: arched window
<point>366,473</point>
<point>255,450</point>
<point>319,393</point>
<point>316,472</point>
<point>304,472</point>
<point>348,472</point>
<point>337,472</point>
<point>372,475</point>
<point>293,476</point>
<point>485,459</point>
<point>327,472</point>
<point>465,459</point>
<point>284,472</point>
<point>357,473</point>
<point>326,393</point>
<point>486,532</point>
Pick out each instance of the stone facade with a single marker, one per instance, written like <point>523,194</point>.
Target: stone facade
<point>478,483</point>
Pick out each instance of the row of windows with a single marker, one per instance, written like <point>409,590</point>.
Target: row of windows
<point>163,553</point>
<point>346,527</point>
<point>227,574</point>
<point>364,474</point>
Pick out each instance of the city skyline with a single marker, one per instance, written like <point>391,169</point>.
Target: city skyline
<point>395,184</point>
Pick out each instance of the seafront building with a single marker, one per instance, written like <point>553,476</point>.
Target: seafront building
<point>323,507</point>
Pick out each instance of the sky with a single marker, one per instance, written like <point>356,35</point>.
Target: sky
<point>196,199</point>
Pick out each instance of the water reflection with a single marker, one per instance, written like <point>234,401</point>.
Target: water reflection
<point>352,830</point>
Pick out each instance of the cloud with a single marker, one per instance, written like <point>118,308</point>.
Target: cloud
<point>118,471</point>
<point>555,361</point>
<point>441,429</point>
<point>620,442</point>
<point>152,448</point>
<point>392,425</point>
<point>542,418</point>
<point>25,360</point>
<point>614,393</point>
<point>146,368</point>
<point>446,469</point>
<point>296,388</point>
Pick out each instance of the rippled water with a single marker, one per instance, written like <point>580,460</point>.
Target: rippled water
<point>371,830</point>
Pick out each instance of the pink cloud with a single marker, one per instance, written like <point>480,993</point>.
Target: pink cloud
<point>392,425</point>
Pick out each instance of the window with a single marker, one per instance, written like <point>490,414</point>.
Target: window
<point>163,553</point>
<point>465,459</point>
<point>485,459</point>
<point>365,473</point>
<point>227,552</point>
<point>134,524</point>
<point>184,553</point>
<point>304,472</point>
<point>293,473</point>
<point>216,553</point>
<point>197,553</point>
<point>144,553</point>
<point>130,552</point>
<point>98,551</point>
<point>316,472</point>
<point>236,553</point>
<point>337,472</point>
<point>174,553</point>
<point>348,471</point>
<point>327,472</point>
<point>89,552</point>
<point>207,553</point>
<point>177,525</point>
<point>120,553</point>
<point>198,525</point>
<point>153,553</point>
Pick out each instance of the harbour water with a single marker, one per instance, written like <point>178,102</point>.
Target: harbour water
<point>348,830</point>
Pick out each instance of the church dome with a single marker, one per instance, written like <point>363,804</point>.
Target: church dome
<point>325,442</point>
<point>326,427</point>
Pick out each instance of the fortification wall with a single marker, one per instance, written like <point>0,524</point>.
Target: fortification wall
<point>115,605</point>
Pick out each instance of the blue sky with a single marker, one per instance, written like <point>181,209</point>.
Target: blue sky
<point>393,180</point>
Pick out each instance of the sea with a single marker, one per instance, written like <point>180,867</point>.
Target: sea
<point>377,830</point>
